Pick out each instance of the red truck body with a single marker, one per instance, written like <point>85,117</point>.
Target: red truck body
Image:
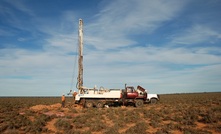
<point>130,95</point>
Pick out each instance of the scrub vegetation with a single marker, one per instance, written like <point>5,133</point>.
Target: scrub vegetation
<point>175,113</point>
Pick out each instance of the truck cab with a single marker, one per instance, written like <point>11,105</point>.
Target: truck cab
<point>131,93</point>
<point>133,96</point>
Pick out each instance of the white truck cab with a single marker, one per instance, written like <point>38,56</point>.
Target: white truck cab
<point>152,98</point>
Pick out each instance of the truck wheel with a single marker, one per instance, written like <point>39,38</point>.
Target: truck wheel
<point>99,105</point>
<point>153,101</point>
<point>139,103</point>
<point>89,104</point>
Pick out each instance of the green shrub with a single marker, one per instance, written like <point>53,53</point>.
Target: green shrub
<point>112,130</point>
<point>97,126</point>
<point>63,124</point>
<point>209,118</point>
<point>139,128</point>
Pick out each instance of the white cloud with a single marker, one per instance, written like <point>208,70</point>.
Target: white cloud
<point>18,15</point>
<point>112,58</point>
<point>45,71</point>
<point>5,33</point>
<point>62,43</point>
<point>20,5</point>
<point>196,34</point>
<point>183,56</point>
<point>173,69</point>
<point>187,57</point>
<point>147,66</point>
<point>199,79</point>
<point>121,19</point>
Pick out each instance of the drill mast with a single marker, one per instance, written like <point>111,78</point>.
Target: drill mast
<point>80,57</point>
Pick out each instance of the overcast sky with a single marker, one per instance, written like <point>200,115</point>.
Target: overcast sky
<point>166,46</point>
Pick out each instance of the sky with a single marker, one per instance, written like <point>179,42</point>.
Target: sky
<point>165,46</point>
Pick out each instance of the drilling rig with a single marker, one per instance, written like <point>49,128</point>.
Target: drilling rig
<point>89,97</point>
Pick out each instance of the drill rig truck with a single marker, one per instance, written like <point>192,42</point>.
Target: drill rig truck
<point>90,97</point>
<point>128,96</point>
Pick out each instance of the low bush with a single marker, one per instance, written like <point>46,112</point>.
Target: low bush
<point>112,130</point>
<point>139,128</point>
<point>186,113</point>
<point>209,118</point>
<point>97,126</point>
<point>63,124</point>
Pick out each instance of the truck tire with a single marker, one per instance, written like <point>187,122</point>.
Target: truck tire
<point>139,103</point>
<point>99,104</point>
<point>153,101</point>
<point>88,104</point>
